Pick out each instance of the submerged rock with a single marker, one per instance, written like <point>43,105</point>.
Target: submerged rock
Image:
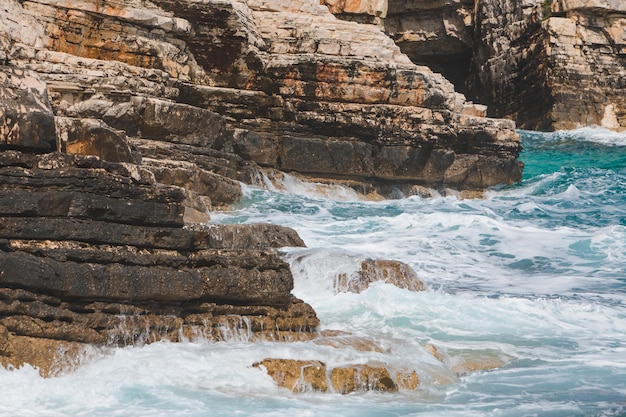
<point>302,376</point>
<point>296,375</point>
<point>391,272</point>
<point>362,378</point>
<point>385,374</point>
<point>466,362</point>
<point>334,271</point>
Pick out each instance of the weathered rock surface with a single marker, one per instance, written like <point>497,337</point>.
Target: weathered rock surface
<point>254,84</point>
<point>373,270</point>
<point>547,64</point>
<point>26,118</point>
<point>436,33</point>
<point>97,253</point>
<point>583,77</point>
<point>334,271</point>
<point>362,11</point>
<point>302,376</point>
<point>123,123</point>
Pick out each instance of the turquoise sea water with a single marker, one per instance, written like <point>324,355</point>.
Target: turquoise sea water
<point>533,274</point>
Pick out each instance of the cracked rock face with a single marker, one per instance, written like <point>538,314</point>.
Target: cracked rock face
<point>565,67</point>
<point>282,85</point>
<point>90,255</point>
<point>553,64</point>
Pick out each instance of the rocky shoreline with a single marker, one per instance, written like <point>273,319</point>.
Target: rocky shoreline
<point>95,253</point>
<point>124,124</point>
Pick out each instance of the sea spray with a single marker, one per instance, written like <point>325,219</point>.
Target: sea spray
<point>532,275</point>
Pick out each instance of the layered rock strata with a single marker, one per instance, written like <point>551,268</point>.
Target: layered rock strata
<point>547,64</point>
<point>554,64</point>
<point>96,253</point>
<point>359,109</point>
<point>123,123</point>
<point>437,33</point>
<point>231,86</point>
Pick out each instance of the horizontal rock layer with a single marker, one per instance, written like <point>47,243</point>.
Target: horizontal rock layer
<point>547,64</point>
<point>235,86</point>
<point>123,123</point>
<point>97,253</point>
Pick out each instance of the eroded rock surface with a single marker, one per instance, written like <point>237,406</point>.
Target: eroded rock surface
<point>334,271</point>
<point>302,376</point>
<point>97,253</point>
<point>232,86</point>
<point>547,64</point>
<point>123,123</point>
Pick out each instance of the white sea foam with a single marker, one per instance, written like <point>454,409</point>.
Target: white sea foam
<point>594,134</point>
<point>286,183</point>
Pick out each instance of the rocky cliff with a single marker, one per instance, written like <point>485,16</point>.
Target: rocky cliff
<point>564,63</point>
<point>123,123</point>
<point>547,64</point>
<point>233,86</point>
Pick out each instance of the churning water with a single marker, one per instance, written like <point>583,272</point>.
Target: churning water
<point>533,274</point>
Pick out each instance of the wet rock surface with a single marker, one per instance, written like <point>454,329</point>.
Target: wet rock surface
<point>97,253</point>
<point>303,376</point>
<point>349,273</point>
<point>308,375</point>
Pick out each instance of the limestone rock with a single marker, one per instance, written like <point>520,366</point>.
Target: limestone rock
<point>92,137</point>
<point>300,91</point>
<point>157,110</point>
<point>220,191</point>
<point>392,272</point>
<point>296,375</point>
<point>361,378</point>
<point>420,191</point>
<point>346,272</point>
<point>553,64</point>
<point>26,118</point>
<point>362,11</point>
<point>302,376</point>
<point>438,34</point>
<point>407,380</point>
<point>51,357</point>
<point>95,253</point>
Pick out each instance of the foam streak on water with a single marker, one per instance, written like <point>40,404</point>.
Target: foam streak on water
<point>534,275</point>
